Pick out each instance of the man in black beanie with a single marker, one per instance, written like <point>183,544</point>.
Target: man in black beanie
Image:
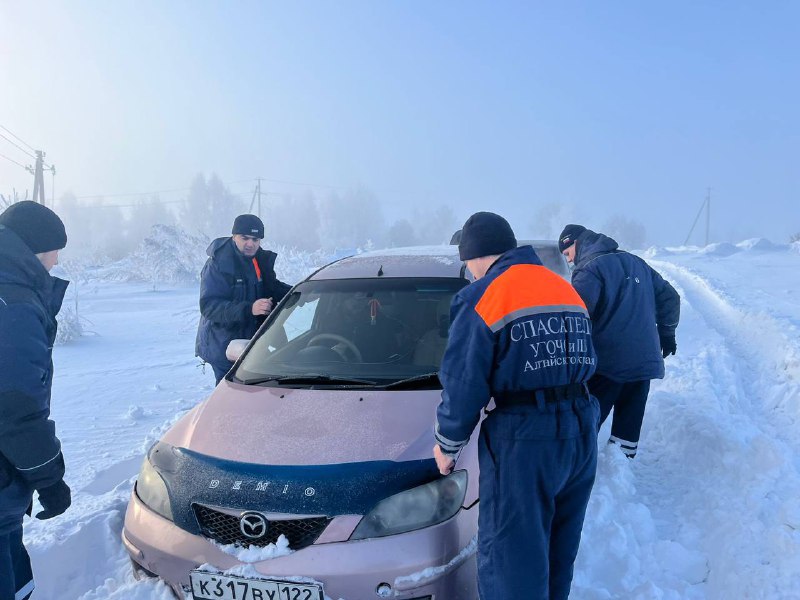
<point>520,335</point>
<point>31,236</point>
<point>238,288</point>
<point>634,315</point>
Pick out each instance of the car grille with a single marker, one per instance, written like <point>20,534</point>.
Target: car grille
<point>224,528</point>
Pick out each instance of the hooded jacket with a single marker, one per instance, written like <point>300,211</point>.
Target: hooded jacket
<point>519,328</point>
<point>30,452</point>
<point>228,288</point>
<point>630,305</point>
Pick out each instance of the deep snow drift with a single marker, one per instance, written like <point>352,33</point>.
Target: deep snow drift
<point>709,509</point>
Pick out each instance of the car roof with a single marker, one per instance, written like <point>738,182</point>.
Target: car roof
<point>411,261</point>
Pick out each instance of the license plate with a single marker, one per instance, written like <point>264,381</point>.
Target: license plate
<point>211,586</point>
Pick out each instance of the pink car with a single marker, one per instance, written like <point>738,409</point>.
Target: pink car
<point>308,473</point>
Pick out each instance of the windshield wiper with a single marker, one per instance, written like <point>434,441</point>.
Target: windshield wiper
<point>309,378</point>
<point>411,382</point>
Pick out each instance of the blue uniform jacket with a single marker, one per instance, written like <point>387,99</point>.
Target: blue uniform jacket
<point>228,288</point>
<point>630,305</point>
<point>519,328</point>
<point>30,452</point>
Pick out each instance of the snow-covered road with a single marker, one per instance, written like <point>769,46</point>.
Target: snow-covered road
<point>709,509</point>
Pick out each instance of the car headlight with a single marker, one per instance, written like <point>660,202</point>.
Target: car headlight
<point>416,508</point>
<point>152,490</point>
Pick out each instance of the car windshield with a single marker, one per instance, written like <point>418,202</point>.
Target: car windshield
<point>354,331</point>
<point>550,256</point>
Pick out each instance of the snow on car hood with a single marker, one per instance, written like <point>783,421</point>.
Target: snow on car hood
<point>280,426</point>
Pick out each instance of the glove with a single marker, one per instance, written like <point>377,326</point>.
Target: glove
<point>55,500</point>
<point>668,345</point>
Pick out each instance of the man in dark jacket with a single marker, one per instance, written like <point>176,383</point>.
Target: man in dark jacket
<point>30,453</point>
<point>238,288</point>
<point>520,334</point>
<point>634,315</point>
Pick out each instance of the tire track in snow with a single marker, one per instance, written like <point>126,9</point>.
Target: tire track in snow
<point>767,359</point>
<point>719,463</point>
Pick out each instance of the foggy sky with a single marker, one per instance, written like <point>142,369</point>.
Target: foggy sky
<point>611,108</point>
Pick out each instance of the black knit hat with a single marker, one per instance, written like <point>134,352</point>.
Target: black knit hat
<point>569,235</point>
<point>485,234</point>
<point>39,227</point>
<point>248,225</point>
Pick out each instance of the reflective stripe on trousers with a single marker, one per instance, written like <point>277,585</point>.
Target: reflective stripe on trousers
<point>16,577</point>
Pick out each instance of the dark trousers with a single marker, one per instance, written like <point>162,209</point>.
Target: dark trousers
<point>16,577</point>
<point>221,370</point>
<point>537,468</point>
<point>628,401</point>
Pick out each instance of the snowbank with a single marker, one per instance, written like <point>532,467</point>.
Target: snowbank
<point>760,245</point>
<point>720,249</point>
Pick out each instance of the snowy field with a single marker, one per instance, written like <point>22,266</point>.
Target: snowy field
<point>709,509</point>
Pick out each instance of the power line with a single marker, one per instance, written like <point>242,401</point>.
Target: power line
<point>151,193</point>
<point>139,205</point>
<point>13,143</point>
<point>13,161</point>
<point>319,185</point>
<point>135,194</point>
<point>18,138</point>
<point>128,195</point>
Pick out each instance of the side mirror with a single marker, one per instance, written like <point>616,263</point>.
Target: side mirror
<point>235,349</point>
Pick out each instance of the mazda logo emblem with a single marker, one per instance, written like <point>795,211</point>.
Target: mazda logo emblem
<point>253,525</point>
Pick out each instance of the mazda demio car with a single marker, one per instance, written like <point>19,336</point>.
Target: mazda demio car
<point>308,472</point>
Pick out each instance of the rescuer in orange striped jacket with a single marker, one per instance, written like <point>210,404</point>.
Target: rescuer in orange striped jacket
<point>520,334</point>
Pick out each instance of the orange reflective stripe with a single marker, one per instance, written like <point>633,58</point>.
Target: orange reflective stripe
<point>258,269</point>
<point>526,289</point>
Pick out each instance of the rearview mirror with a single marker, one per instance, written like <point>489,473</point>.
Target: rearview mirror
<point>235,349</point>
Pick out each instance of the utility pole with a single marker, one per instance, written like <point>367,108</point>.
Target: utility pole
<point>38,178</point>
<point>53,186</point>
<point>253,200</point>
<point>256,194</point>
<point>706,205</point>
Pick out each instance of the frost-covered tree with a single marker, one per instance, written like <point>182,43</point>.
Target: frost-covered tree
<point>293,221</point>
<point>146,214</point>
<point>350,219</point>
<point>70,323</point>
<point>210,207</point>
<point>549,219</point>
<point>402,233</point>
<point>435,226</point>
<point>629,233</point>
<point>94,226</point>
<point>70,326</point>
<point>169,255</point>
<point>224,207</point>
<point>194,213</point>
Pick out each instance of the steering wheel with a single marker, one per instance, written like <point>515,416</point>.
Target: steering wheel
<point>338,338</point>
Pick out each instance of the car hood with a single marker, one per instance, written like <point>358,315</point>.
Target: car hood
<point>280,426</point>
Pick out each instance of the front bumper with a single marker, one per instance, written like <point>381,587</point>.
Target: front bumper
<point>428,562</point>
